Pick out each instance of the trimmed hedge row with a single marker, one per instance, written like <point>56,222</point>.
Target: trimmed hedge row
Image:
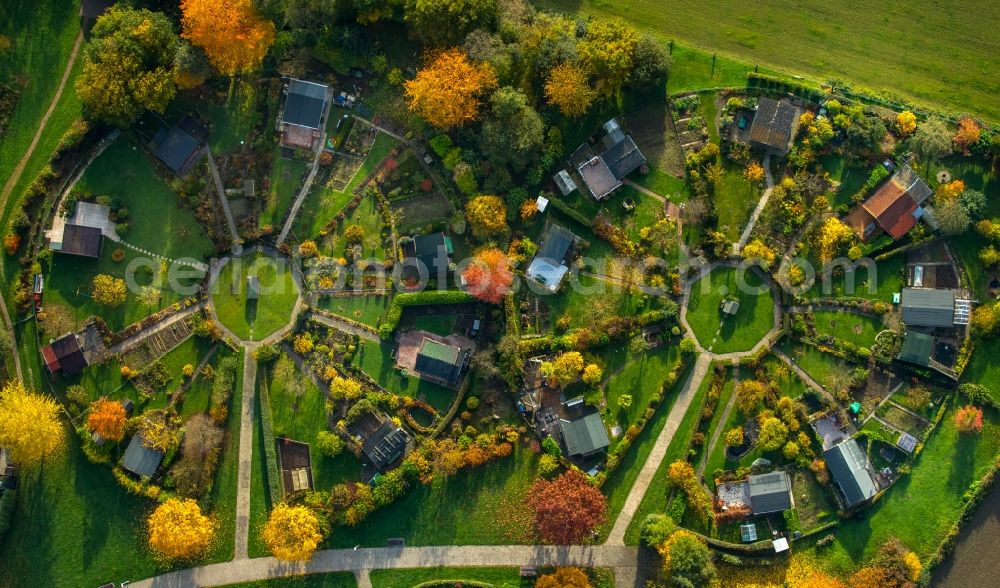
<point>270,452</point>
<point>401,301</point>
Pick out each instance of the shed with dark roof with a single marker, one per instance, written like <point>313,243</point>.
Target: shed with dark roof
<point>139,459</point>
<point>849,468</point>
<point>178,149</point>
<point>770,492</point>
<point>774,124</point>
<point>82,241</point>
<point>385,445</point>
<point>304,104</point>
<point>917,348</point>
<point>432,250</point>
<point>584,436</point>
<point>927,307</point>
<point>440,361</point>
<point>64,355</point>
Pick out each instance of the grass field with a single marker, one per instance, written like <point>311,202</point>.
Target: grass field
<point>941,55</point>
<point>983,368</point>
<point>752,322</point>
<point>641,377</point>
<point>286,175</point>
<point>363,309</point>
<point>826,369</point>
<point>255,319</point>
<point>888,281</point>
<point>368,216</point>
<point>376,360</point>
<point>407,578</point>
<point>858,329</point>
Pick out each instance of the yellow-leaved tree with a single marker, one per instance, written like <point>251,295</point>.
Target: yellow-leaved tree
<point>108,290</point>
<point>292,533</point>
<point>487,216</point>
<point>446,92</point>
<point>107,418</point>
<point>757,249</point>
<point>906,122</point>
<point>179,530</point>
<point>29,424</point>
<point>832,235</point>
<point>233,35</point>
<point>568,89</point>
<point>564,578</point>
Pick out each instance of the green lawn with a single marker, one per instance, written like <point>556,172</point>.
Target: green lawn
<point>248,319</point>
<point>479,506</point>
<point>984,368</point>
<point>588,301</point>
<point>847,326</point>
<point>286,175</point>
<point>407,578</point>
<point>663,184</point>
<point>223,497</point>
<point>439,324</point>
<point>375,359</point>
<point>368,216</point>
<point>826,369</point>
<point>641,377</point>
<point>301,418</point>
<point>260,501</point>
<point>330,580</point>
<point>834,41</point>
<point>655,499</point>
<point>363,309</point>
<point>323,203</point>
<point>922,507</point>
<point>850,175</point>
<point>735,200</point>
<point>752,322</point>
<point>888,281</point>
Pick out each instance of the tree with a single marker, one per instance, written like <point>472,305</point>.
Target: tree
<point>567,508</point>
<point>687,561</point>
<point>952,216</point>
<point>687,346</point>
<point>969,419</point>
<point>345,389</point>
<point>29,424</point>
<point>513,132</point>
<point>750,393</point>
<point>108,290</point>
<point>354,234</point>
<point>157,431</point>
<point>329,443</point>
<point>128,66</point>
<point>756,249</point>
<point>625,401</point>
<point>564,578</point>
<point>832,235</point>
<point>973,201</point>
<point>233,35</point>
<point>772,434</point>
<point>734,437</point>
<point>985,320</point>
<point>191,67</point>
<point>906,122</point>
<point>446,91</point>
<point>967,135</point>
<point>292,533</point>
<point>754,172</point>
<point>440,23</point>
<point>489,275</point>
<point>651,61</point>
<point>107,418</point>
<point>932,139</point>
<point>592,374</point>
<point>195,471</point>
<point>608,51</point>
<point>989,256</point>
<point>487,216</point>
<point>568,89</point>
<point>567,367</point>
<point>179,530</point>
<point>308,248</point>
<point>790,450</point>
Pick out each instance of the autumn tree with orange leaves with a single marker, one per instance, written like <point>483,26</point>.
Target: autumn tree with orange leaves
<point>107,419</point>
<point>967,135</point>
<point>567,509</point>
<point>489,276</point>
<point>233,35</point>
<point>447,91</point>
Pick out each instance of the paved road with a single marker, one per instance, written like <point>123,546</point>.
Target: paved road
<point>246,458</point>
<point>624,560</point>
<point>656,455</point>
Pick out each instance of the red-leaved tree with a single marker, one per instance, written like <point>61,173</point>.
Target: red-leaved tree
<point>567,508</point>
<point>489,276</point>
<point>969,419</point>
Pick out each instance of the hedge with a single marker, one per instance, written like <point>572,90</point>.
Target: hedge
<point>270,452</point>
<point>453,583</point>
<point>7,502</point>
<point>430,297</point>
<point>570,212</point>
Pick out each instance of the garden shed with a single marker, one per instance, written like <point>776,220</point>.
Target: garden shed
<point>440,361</point>
<point>584,436</point>
<point>302,115</point>
<point>64,355</point>
<point>770,492</point>
<point>927,307</point>
<point>774,124</point>
<point>139,459</point>
<point>547,267</point>
<point>848,466</point>
<point>432,250</point>
<point>917,348</point>
<point>385,445</point>
<point>177,148</point>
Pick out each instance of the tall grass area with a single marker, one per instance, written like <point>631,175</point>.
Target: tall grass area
<point>941,55</point>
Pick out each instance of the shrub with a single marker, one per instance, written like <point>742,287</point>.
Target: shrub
<point>329,444</point>
<point>551,447</point>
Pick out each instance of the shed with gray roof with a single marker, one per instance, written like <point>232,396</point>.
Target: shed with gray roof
<point>849,467</point>
<point>927,307</point>
<point>770,492</point>
<point>584,436</point>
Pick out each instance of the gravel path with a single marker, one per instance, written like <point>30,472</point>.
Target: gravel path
<point>656,455</point>
<point>738,247</point>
